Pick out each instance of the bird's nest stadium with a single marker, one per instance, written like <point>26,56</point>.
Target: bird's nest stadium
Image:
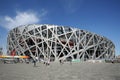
<point>59,43</point>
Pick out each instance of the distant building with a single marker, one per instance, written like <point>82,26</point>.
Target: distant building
<point>59,43</point>
<point>1,51</point>
<point>118,56</point>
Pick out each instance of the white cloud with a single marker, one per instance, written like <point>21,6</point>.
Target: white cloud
<point>22,18</point>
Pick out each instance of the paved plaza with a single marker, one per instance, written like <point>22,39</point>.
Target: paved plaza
<point>56,71</point>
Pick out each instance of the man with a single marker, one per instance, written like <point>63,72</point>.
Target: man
<point>34,62</point>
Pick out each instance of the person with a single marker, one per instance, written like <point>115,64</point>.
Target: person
<point>70,61</point>
<point>4,61</point>
<point>48,62</point>
<point>34,62</point>
<point>61,61</point>
<point>27,62</point>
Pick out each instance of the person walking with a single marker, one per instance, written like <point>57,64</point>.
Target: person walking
<point>34,62</point>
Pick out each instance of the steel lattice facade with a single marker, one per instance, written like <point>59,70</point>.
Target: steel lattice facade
<point>58,43</point>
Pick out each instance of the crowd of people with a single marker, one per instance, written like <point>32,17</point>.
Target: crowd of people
<point>34,60</point>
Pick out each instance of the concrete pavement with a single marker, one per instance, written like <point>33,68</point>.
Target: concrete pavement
<point>55,71</point>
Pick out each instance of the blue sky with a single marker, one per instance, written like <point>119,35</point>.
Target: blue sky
<point>98,16</point>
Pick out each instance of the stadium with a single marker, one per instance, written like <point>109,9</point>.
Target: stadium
<point>56,43</point>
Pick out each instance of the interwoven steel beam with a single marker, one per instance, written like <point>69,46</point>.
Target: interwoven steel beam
<point>59,42</point>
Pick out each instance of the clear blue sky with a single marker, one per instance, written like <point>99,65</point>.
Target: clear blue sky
<point>98,16</point>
